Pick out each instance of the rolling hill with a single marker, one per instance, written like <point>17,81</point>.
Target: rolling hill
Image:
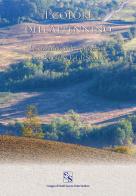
<point>14,149</point>
<point>55,103</point>
<point>17,41</point>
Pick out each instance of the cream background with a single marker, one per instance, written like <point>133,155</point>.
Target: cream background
<point>31,180</point>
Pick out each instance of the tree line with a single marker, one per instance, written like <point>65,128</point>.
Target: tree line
<point>112,77</point>
<point>71,129</point>
<point>17,11</point>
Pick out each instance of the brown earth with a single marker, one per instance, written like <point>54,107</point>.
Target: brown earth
<point>19,149</point>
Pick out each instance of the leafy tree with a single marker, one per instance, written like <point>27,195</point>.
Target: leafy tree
<point>123,134</point>
<point>32,124</point>
<point>68,128</point>
<point>23,70</point>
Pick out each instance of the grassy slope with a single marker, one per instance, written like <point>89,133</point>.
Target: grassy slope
<point>16,41</point>
<point>14,149</point>
<point>130,45</point>
<point>56,102</point>
<point>127,13</point>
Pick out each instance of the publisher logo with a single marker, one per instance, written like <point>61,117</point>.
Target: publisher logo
<point>67,177</point>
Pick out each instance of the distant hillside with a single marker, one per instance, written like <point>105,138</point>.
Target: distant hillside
<point>14,149</point>
<point>17,11</point>
<point>128,13</point>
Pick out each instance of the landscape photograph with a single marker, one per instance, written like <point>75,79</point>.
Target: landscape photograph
<point>68,81</point>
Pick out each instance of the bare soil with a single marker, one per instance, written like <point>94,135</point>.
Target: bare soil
<point>19,149</point>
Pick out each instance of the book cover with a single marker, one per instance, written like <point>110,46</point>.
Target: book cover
<point>67,97</point>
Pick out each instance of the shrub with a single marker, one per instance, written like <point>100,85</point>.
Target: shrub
<point>124,149</point>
